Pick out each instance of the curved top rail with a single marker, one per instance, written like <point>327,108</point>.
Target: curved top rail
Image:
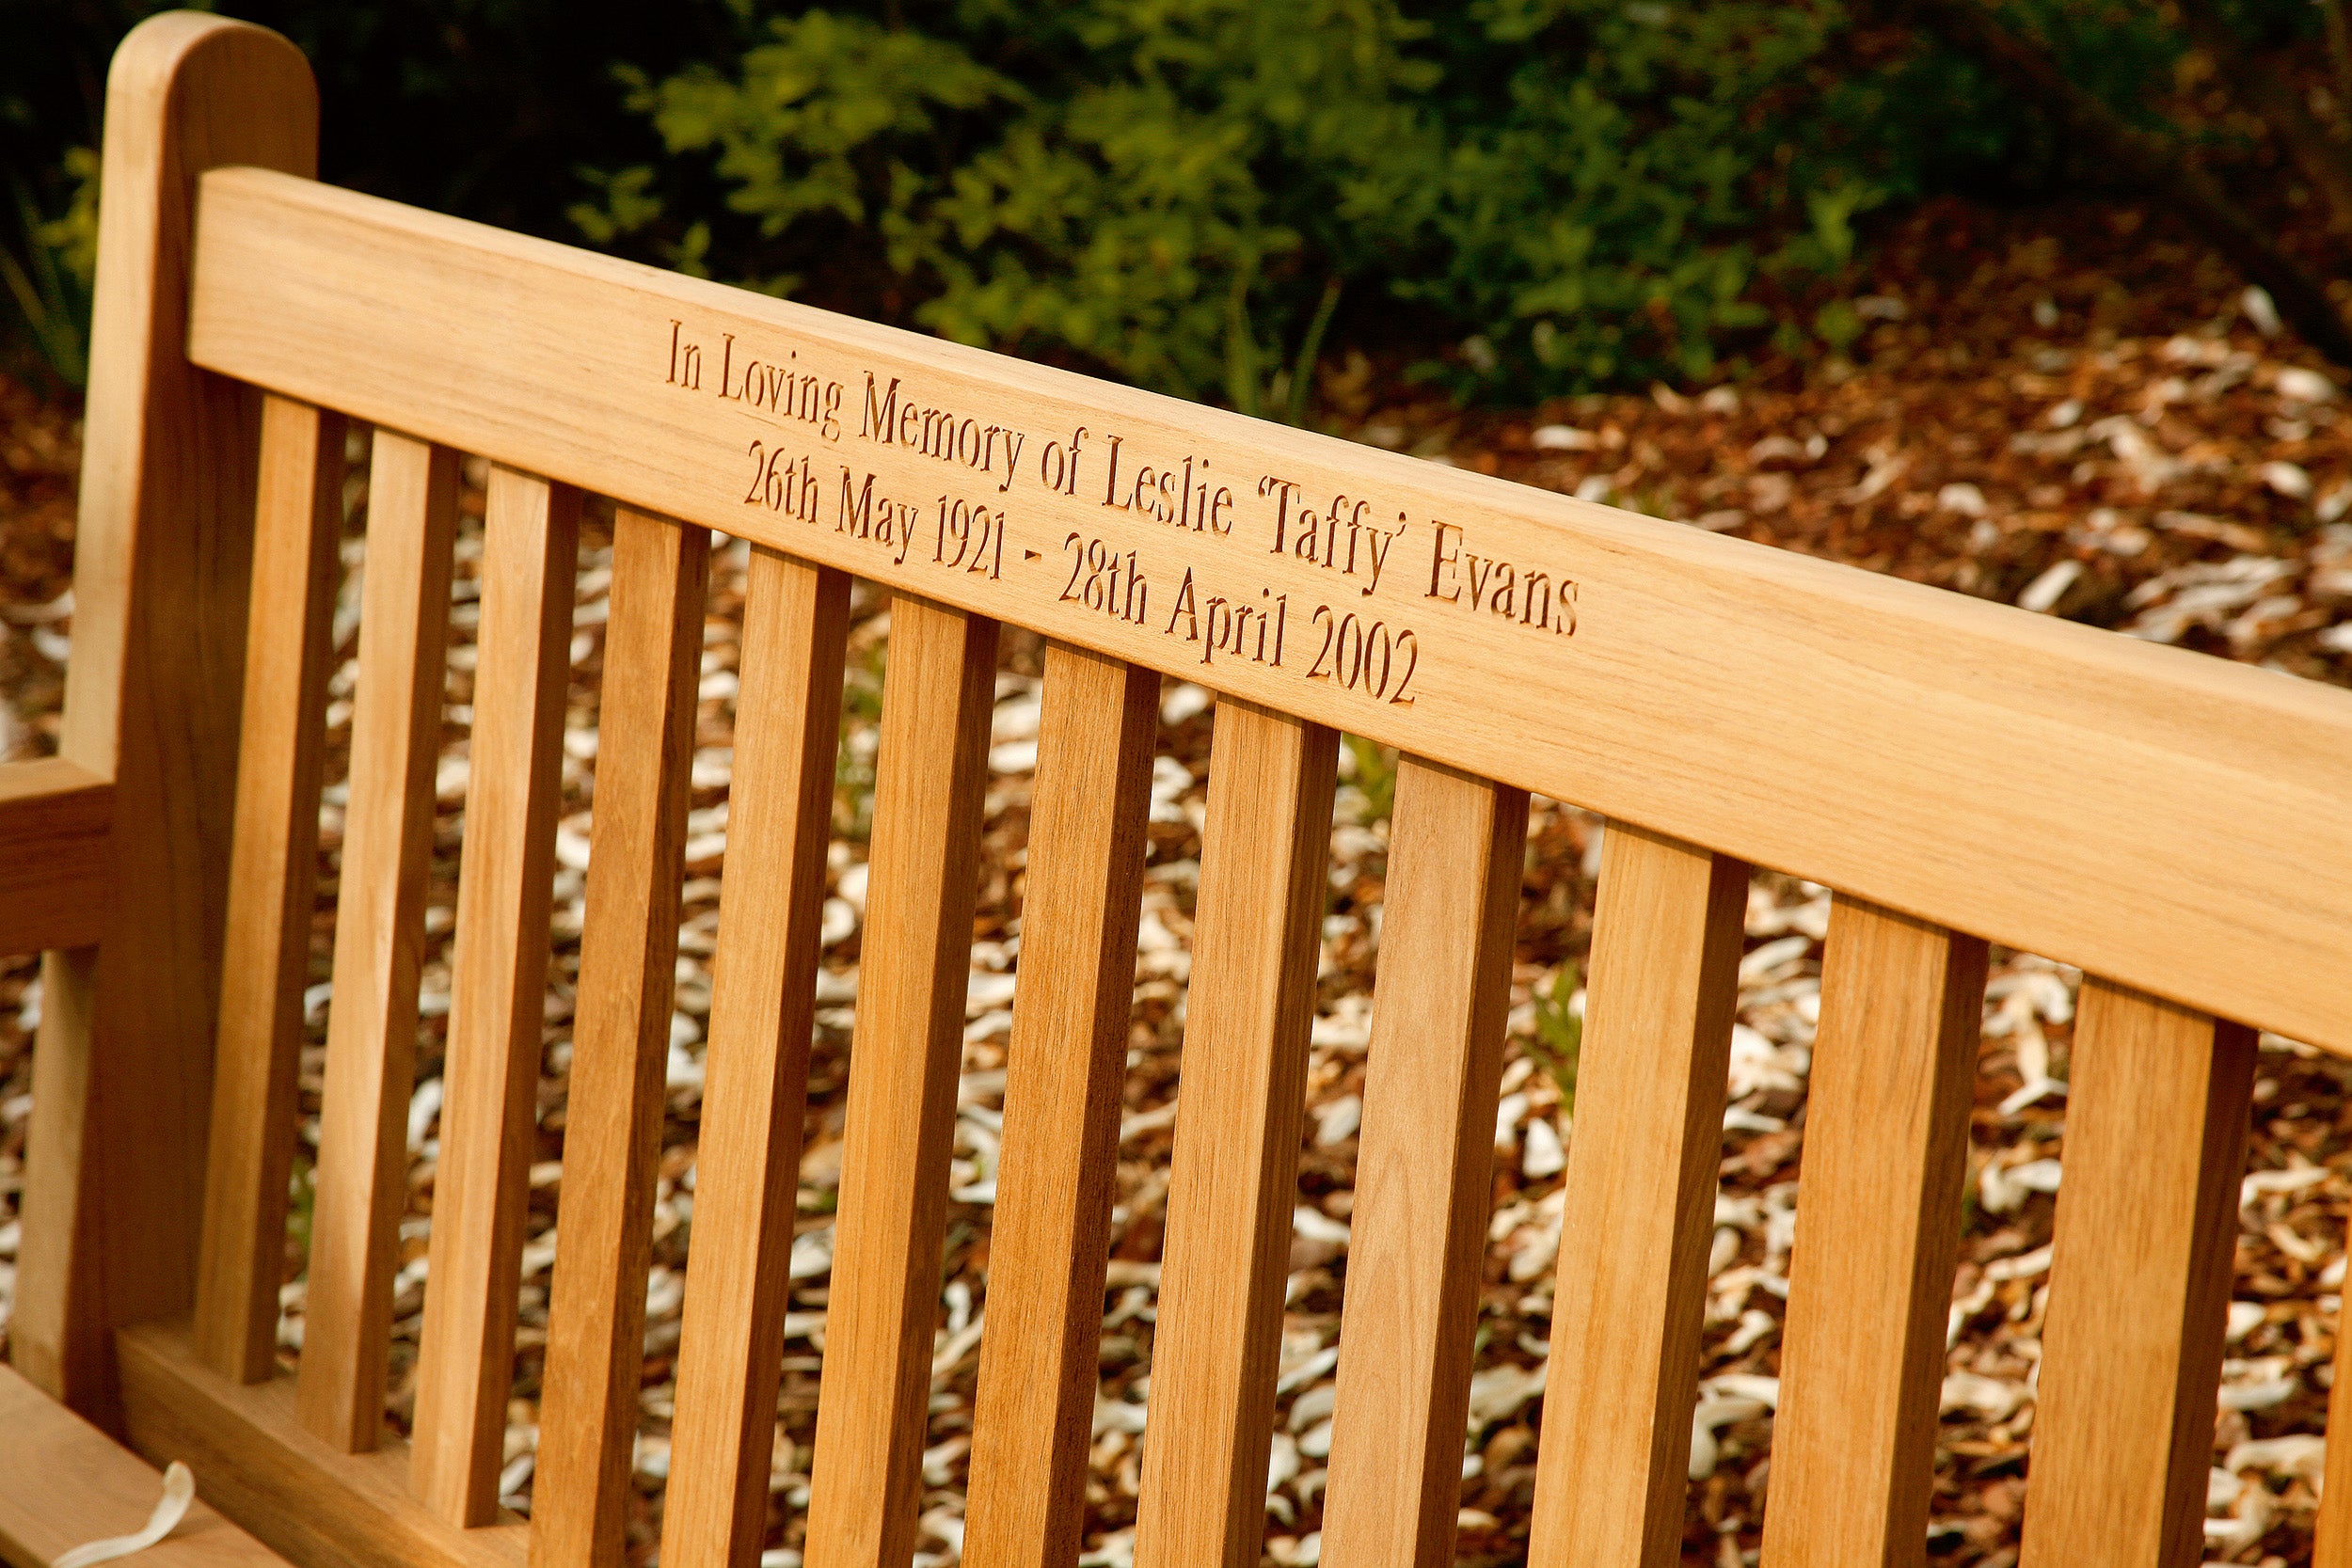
<point>2175,822</point>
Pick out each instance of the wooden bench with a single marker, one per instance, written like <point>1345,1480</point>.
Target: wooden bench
<point>1958,772</point>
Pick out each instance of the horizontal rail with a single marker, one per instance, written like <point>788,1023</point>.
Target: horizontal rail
<point>255,1461</point>
<point>53,822</point>
<point>2175,822</point>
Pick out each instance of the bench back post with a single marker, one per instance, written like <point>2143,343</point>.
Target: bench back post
<point>122,1076</point>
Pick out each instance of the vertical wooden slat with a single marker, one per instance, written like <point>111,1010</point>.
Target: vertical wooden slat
<point>1878,1226</point>
<point>1613,1466</point>
<point>2156,1120</point>
<point>1424,1168</point>
<point>2331,1539</point>
<point>620,1040</point>
<point>788,731</point>
<point>122,1074</point>
<point>379,939</point>
<point>905,1056</point>
<point>273,883</point>
<point>1065,1067</point>
<point>498,995</point>
<point>1235,1183</point>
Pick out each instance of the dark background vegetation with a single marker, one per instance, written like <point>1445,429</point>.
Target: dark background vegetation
<point>1519,197</point>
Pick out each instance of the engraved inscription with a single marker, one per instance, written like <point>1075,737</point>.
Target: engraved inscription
<point>974,503</point>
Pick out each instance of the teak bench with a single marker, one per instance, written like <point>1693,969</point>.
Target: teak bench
<point>1957,771</point>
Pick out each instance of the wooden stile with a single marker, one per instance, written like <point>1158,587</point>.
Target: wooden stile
<point>273,883</point>
<point>1065,1067</point>
<point>906,1055</point>
<point>122,1072</point>
<point>620,1040</point>
<point>1611,1470</point>
<point>362,1173</point>
<point>756,1071</point>
<point>498,995</point>
<point>1424,1168</point>
<point>1878,1226</point>
<point>2156,1118</point>
<point>1256,931</point>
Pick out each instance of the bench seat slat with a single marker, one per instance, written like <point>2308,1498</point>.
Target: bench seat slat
<point>66,1484</point>
<point>906,1056</point>
<point>362,1173</point>
<point>273,880</point>
<point>621,1040</point>
<point>1065,1067</point>
<point>2156,1123</point>
<point>498,994</point>
<point>1611,1468</point>
<point>1424,1168</point>
<point>1878,1228</point>
<point>788,731</point>
<point>1233,1183</point>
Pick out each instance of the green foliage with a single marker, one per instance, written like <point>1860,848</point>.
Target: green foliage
<point>1548,194</point>
<point>1372,769</point>
<point>1559,1038</point>
<point>49,276</point>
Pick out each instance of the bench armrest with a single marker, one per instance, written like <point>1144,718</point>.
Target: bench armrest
<point>54,821</point>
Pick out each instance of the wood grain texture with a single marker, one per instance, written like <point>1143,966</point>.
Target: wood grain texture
<point>1613,1466</point>
<point>1808,671</point>
<point>1234,1179</point>
<point>122,1076</point>
<point>2332,1538</point>
<point>653,648</point>
<point>305,1498</point>
<point>747,1160</point>
<point>1424,1168</point>
<point>273,889</point>
<point>1877,1229</point>
<point>361,1181</point>
<point>1065,1067</point>
<point>497,1000</point>
<point>67,1483</point>
<point>55,816</point>
<point>905,1055</point>
<point>2157,1115</point>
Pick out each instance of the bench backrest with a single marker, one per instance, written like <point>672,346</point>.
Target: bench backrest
<point>1957,771</point>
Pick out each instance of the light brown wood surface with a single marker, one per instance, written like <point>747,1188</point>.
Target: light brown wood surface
<point>362,1173</point>
<point>498,994</point>
<point>273,884</point>
<point>2156,1112</point>
<point>1424,1168</point>
<point>67,1483</point>
<point>596,1361</point>
<point>122,1072</point>
<point>1613,1465</point>
<point>747,1159</point>
<point>1863,708</point>
<point>305,1498</point>
<point>906,1053</point>
<point>1256,927</point>
<point>55,816</point>
<point>1878,1226</point>
<point>1065,1067</point>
